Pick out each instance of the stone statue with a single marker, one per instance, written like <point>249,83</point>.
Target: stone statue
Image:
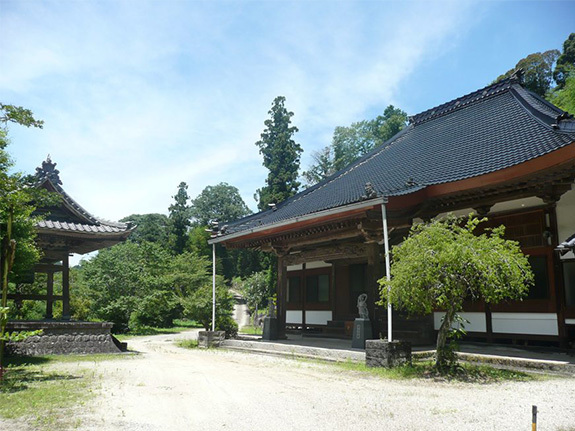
<point>362,306</point>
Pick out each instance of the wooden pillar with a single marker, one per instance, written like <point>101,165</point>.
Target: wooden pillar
<point>558,277</point>
<point>373,275</point>
<point>488,323</point>
<point>281,297</point>
<point>65,288</point>
<point>303,292</point>
<point>50,295</point>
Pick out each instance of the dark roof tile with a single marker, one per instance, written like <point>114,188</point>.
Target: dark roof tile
<point>490,129</point>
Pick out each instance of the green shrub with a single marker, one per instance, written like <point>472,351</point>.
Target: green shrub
<point>228,324</point>
<point>158,310</point>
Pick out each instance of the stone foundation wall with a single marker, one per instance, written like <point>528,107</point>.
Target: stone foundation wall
<point>60,338</point>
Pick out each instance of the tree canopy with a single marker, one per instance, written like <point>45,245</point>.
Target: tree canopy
<point>537,71</point>
<point>566,62</point>
<point>221,202</point>
<point>443,263</point>
<point>350,143</point>
<point>281,156</point>
<point>149,227</point>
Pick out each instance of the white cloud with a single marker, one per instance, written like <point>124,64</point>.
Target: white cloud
<point>138,96</point>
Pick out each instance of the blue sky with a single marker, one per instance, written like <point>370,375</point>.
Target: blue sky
<point>138,96</point>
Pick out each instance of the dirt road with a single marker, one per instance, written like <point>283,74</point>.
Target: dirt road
<point>170,389</point>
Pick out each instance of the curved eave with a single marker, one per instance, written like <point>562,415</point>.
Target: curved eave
<point>75,208</point>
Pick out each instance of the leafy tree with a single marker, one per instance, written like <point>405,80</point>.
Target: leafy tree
<point>281,156</point>
<point>198,241</point>
<point>199,307</point>
<point>255,289</point>
<point>564,98</point>
<point>150,228</point>
<point>179,219</point>
<point>537,70</point>
<point>221,202</point>
<point>18,198</point>
<point>444,262</point>
<point>137,284</point>
<point>323,166</point>
<point>350,143</point>
<point>566,62</point>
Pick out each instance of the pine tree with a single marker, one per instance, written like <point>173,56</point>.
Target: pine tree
<point>281,156</point>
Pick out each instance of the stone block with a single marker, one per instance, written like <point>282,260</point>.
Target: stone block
<point>361,333</point>
<point>388,354</point>
<point>270,331</point>
<point>211,338</point>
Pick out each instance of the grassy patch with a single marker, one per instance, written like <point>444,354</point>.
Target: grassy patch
<point>42,398</point>
<point>187,344</point>
<point>424,370</point>
<point>45,398</point>
<point>251,330</point>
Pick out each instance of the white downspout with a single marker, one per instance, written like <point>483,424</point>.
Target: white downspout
<point>214,287</point>
<point>387,263</point>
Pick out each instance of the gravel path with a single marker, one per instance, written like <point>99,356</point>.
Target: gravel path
<point>171,389</point>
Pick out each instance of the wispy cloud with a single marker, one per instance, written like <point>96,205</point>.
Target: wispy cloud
<point>138,96</point>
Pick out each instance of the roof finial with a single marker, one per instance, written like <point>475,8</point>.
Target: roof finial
<point>48,171</point>
<point>518,75</point>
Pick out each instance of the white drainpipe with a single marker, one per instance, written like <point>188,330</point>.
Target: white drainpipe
<point>387,263</point>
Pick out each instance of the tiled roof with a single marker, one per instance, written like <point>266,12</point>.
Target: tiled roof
<point>81,220</point>
<point>490,129</point>
<point>78,227</point>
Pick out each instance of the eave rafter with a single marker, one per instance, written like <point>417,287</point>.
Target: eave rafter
<point>549,187</point>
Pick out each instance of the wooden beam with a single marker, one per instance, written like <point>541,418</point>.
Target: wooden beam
<point>334,252</point>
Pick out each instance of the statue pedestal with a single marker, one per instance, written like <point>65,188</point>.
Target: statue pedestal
<point>270,328</point>
<point>361,332</point>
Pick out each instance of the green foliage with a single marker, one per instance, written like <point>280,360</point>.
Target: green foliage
<point>158,309</point>
<point>350,143</point>
<point>564,98</point>
<point>538,71</point>
<point>221,202</point>
<point>198,306</point>
<point>187,344</point>
<point>443,263</point>
<point>467,373</point>
<point>281,156</point>
<point>139,284</point>
<point>150,228</point>
<point>565,63</point>
<point>18,197</point>
<point>179,220</point>
<point>198,241</point>
<point>255,290</point>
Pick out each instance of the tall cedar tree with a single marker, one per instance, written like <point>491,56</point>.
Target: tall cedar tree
<point>179,219</point>
<point>281,156</point>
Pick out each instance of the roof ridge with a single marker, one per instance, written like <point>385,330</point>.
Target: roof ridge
<point>458,103</point>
